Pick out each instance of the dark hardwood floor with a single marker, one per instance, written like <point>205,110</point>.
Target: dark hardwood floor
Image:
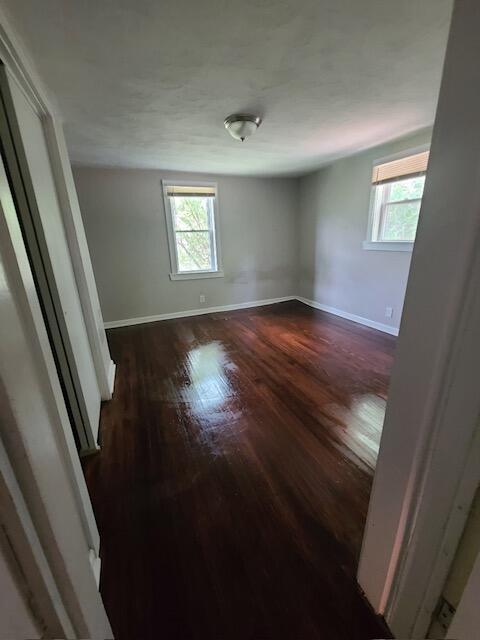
<point>232,486</point>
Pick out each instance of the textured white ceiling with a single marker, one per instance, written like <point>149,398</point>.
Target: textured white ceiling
<point>148,83</point>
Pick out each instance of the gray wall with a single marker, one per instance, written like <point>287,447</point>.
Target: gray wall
<point>278,236</point>
<point>124,219</point>
<point>334,269</point>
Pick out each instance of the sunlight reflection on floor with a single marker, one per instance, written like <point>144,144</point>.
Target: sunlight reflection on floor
<point>362,423</point>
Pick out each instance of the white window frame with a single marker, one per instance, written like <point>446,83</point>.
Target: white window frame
<point>384,245</point>
<point>214,228</point>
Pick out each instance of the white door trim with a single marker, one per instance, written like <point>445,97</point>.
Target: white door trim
<point>79,253</point>
<point>19,539</point>
<point>44,457</point>
<point>428,460</point>
<point>16,260</point>
<point>83,396</point>
<point>22,71</point>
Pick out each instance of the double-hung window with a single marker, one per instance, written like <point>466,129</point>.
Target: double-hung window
<point>397,191</point>
<point>192,225</point>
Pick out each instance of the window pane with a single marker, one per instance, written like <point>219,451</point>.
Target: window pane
<point>193,250</point>
<point>400,223</point>
<point>408,189</point>
<point>190,213</point>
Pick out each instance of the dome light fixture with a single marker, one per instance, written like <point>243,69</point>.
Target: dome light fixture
<point>242,125</point>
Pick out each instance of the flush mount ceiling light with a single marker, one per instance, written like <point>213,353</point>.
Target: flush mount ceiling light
<point>242,125</point>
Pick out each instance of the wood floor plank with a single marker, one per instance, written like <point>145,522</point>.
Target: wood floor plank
<point>232,486</point>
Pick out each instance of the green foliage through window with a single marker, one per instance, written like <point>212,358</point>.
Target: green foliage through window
<point>400,223</point>
<point>192,219</point>
<point>409,189</point>
<point>191,214</point>
<point>397,209</point>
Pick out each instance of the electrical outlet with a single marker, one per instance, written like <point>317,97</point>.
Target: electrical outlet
<point>445,613</point>
<point>203,298</point>
<point>388,312</point>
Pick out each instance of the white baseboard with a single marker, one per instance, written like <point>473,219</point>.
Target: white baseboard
<point>246,305</point>
<point>96,564</point>
<point>111,377</point>
<point>393,331</point>
<point>195,312</point>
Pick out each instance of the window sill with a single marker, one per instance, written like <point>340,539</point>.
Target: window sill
<point>387,246</point>
<point>196,275</point>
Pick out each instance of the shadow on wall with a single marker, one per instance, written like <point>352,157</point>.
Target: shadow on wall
<point>249,274</point>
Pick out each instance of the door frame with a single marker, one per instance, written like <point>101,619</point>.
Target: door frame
<point>429,461</point>
<point>20,543</point>
<point>46,516</point>
<point>21,69</point>
<point>16,166</point>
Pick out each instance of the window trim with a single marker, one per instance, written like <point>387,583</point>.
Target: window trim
<point>175,274</point>
<point>387,245</point>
